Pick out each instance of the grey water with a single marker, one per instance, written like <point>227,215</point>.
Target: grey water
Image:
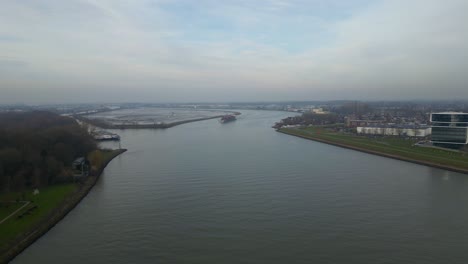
<point>240,192</point>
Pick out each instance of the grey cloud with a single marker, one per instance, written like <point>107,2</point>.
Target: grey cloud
<point>391,49</point>
<point>10,38</point>
<point>9,65</point>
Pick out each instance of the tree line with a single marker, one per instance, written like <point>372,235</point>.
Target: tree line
<point>37,148</point>
<point>310,118</point>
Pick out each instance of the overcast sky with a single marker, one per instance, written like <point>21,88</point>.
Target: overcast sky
<point>56,51</point>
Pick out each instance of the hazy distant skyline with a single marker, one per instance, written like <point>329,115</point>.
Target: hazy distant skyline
<point>182,50</point>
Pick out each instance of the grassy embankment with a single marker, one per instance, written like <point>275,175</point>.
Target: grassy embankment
<point>386,146</point>
<point>48,199</point>
<point>43,211</point>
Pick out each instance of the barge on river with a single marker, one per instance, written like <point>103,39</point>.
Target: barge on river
<point>227,118</point>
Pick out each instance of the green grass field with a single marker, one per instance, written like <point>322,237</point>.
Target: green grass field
<point>40,206</point>
<point>48,199</point>
<point>7,208</point>
<point>388,145</point>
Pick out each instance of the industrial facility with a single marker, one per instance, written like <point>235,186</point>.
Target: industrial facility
<point>395,130</point>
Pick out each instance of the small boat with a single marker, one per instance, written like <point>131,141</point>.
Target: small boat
<point>227,118</point>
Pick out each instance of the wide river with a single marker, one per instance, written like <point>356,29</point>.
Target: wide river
<point>240,192</point>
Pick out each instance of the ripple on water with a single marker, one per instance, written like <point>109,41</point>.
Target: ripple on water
<point>242,193</point>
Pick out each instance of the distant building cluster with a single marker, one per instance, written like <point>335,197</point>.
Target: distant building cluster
<point>384,128</point>
<point>447,129</point>
<point>363,123</point>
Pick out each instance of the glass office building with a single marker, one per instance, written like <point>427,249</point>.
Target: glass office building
<point>449,129</point>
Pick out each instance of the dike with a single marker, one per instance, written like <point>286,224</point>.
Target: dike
<point>378,153</point>
<point>29,237</point>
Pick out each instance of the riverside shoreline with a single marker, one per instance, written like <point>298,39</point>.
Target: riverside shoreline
<point>30,236</point>
<point>105,125</point>
<point>383,154</point>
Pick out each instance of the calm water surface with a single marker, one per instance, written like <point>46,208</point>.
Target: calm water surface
<point>207,192</point>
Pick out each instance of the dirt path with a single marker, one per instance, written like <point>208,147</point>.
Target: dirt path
<point>17,210</point>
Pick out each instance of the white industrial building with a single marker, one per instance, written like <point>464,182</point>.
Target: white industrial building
<point>404,131</point>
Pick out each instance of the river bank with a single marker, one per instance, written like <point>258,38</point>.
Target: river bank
<point>161,125</point>
<point>28,237</point>
<point>205,192</point>
<point>403,154</point>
